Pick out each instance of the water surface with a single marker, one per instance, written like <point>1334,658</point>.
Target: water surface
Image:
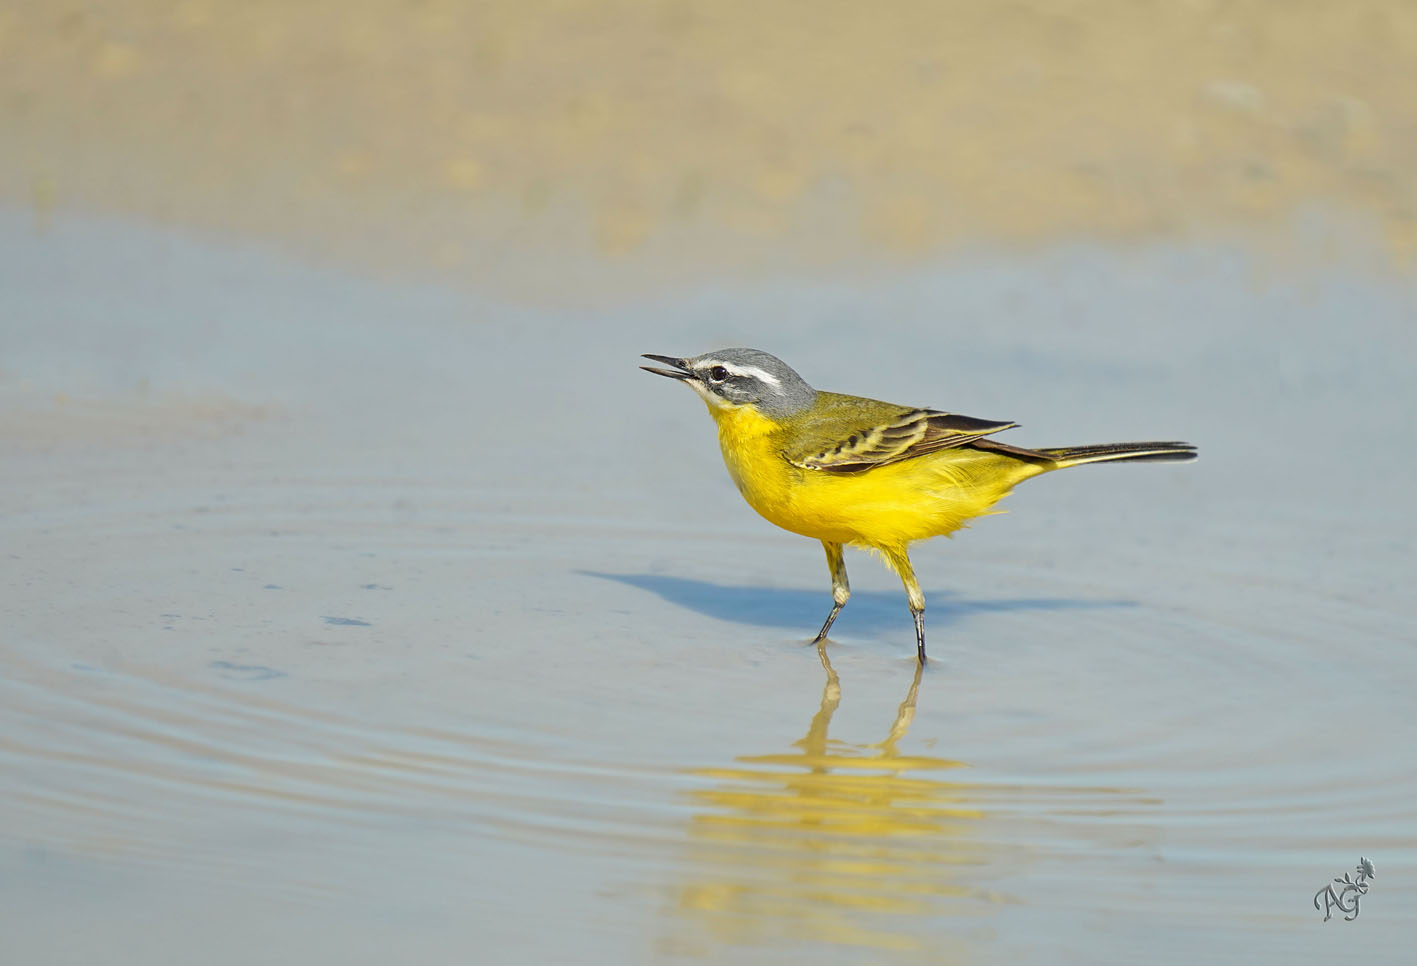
<point>347,620</point>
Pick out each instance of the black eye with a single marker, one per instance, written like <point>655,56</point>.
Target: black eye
<point>718,374</point>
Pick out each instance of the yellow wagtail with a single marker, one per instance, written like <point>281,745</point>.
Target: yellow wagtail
<point>849,470</point>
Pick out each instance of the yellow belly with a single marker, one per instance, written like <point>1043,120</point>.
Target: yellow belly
<point>888,506</point>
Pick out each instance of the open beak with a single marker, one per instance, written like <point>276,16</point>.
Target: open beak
<point>680,371</point>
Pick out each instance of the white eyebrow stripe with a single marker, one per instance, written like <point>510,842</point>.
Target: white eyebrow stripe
<point>752,372</point>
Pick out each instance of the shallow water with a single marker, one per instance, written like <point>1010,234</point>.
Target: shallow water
<point>348,620</point>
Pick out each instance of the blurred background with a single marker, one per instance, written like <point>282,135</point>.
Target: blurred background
<point>557,149</point>
<point>362,602</point>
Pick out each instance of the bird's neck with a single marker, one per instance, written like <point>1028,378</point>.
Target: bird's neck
<point>745,436</point>
<point>741,424</point>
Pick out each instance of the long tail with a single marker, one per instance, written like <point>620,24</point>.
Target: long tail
<point>1121,452</point>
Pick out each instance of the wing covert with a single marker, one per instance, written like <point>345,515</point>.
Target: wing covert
<point>915,432</point>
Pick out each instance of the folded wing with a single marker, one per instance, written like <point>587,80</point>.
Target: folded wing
<point>911,433</point>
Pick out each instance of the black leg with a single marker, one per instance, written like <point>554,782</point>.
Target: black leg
<point>841,590</point>
<point>901,562</point>
<point>822,634</point>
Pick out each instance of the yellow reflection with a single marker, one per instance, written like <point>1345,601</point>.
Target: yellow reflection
<point>833,842</point>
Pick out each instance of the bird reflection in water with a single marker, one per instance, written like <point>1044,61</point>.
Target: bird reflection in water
<point>834,842</point>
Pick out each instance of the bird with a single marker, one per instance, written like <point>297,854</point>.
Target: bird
<point>852,471</point>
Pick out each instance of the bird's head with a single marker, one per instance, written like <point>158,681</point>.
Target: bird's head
<point>731,378</point>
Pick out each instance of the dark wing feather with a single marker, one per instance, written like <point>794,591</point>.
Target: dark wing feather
<point>915,432</point>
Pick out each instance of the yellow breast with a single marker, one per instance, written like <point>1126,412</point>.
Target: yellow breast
<point>888,506</point>
<point>752,451</point>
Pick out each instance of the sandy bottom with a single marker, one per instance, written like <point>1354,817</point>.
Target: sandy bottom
<point>363,622</point>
